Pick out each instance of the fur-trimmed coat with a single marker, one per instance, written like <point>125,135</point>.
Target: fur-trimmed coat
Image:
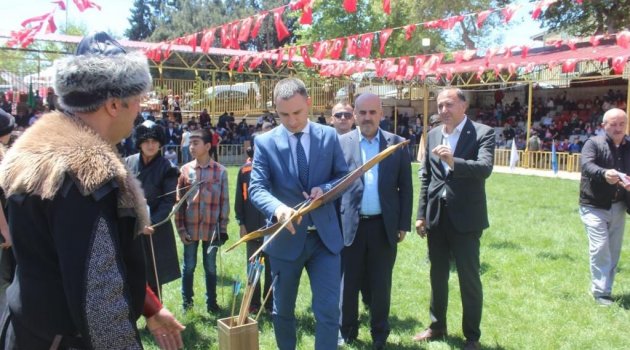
<point>74,212</point>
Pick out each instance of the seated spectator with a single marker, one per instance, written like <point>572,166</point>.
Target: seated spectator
<point>575,147</point>
<point>171,155</point>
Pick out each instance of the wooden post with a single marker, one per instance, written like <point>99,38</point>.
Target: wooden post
<point>530,99</point>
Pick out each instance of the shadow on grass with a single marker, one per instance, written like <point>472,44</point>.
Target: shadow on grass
<point>555,256</point>
<point>624,301</point>
<point>505,245</point>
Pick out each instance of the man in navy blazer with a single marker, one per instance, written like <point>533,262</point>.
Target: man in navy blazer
<point>297,161</point>
<point>452,211</point>
<point>375,216</point>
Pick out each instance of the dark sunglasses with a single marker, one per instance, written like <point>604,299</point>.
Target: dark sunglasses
<point>344,115</point>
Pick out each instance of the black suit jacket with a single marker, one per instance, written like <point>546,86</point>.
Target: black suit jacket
<point>464,185</point>
<point>394,187</point>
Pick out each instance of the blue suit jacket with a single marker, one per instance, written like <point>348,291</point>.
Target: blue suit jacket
<point>274,181</point>
<point>394,186</point>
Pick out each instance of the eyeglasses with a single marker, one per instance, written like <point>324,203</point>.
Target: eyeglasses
<point>344,115</point>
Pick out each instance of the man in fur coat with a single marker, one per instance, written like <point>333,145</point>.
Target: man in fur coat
<point>75,213</point>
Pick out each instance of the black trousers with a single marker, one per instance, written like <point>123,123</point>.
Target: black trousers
<point>369,259</point>
<point>445,242</point>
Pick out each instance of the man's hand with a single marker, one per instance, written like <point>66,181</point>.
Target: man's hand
<point>420,228</point>
<point>612,176</point>
<point>185,238</point>
<point>166,330</point>
<point>5,245</point>
<point>284,213</point>
<point>316,192</point>
<point>445,153</point>
<point>401,235</point>
<point>243,230</point>
<point>148,230</point>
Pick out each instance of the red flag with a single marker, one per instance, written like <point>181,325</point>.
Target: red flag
<point>359,67</point>
<point>243,34</point>
<point>524,51</point>
<point>497,69</point>
<point>307,13</point>
<point>350,5</point>
<point>508,51</point>
<point>61,3</point>
<point>409,29</point>
<point>233,62</point>
<point>385,34</point>
<point>281,29</point>
<point>403,63</point>
<point>280,57</point>
<point>207,40</point>
<point>418,64</point>
<point>538,7</point>
<point>481,17</point>
<point>191,40</point>
<point>512,68</point>
<point>50,26</point>
<point>571,43</point>
<point>379,68</point>
<point>292,50</point>
<point>241,63</point>
<point>259,20</point>
<point>449,73</point>
<point>348,68</point>
<point>387,7</point>
<point>433,24</point>
<point>480,71</point>
<point>619,64</point>
<point>464,55</point>
<point>256,62</point>
<point>594,40</point>
<point>234,36</point>
<point>490,53</point>
<point>35,19</point>
<point>623,39</point>
<point>167,50</point>
<point>83,5</point>
<point>509,11</point>
<point>568,66</point>
<point>337,47</point>
<point>351,47</point>
<point>225,35</point>
<point>450,22</point>
<point>321,50</point>
<point>434,61</point>
<point>366,45</point>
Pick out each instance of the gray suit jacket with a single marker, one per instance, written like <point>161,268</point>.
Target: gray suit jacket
<point>394,187</point>
<point>465,185</point>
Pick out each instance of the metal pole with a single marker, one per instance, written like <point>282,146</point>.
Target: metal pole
<point>530,100</point>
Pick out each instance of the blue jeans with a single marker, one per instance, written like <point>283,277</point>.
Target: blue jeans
<point>185,155</point>
<point>209,266</point>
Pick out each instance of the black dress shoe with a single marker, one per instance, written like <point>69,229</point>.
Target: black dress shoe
<point>430,334</point>
<point>472,345</point>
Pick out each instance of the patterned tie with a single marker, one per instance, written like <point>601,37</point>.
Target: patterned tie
<point>301,161</point>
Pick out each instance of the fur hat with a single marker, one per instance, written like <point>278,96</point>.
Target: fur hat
<point>7,123</point>
<point>150,130</point>
<point>99,70</point>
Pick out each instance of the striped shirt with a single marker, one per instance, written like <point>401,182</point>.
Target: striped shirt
<point>208,205</point>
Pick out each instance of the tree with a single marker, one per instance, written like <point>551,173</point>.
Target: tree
<point>141,24</point>
<point>590,17</point>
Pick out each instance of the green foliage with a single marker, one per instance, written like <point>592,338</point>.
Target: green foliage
<point>535,276</point>
<point>590,17</point>
<point>141,24</point>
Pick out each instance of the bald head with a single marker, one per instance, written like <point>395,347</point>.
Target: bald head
<point>615,122</point>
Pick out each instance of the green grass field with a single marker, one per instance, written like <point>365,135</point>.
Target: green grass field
<point>534,270</point>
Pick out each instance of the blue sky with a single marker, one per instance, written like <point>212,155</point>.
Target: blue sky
<point>115,13</point>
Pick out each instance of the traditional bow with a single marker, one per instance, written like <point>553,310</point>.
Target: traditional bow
<point>308,206</point>
<point>179,204</point>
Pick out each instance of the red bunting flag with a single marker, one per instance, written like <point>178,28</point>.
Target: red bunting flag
<point>350,5</point>
<point>480,71</point>
<point>256,62</point>
<point>83,5</point>
<point>482,16</point>
<point>594,40</point>
<point>225,35</point>
<point>233,62</point>
<point>243,34</point>
<point>619,64</point>
<point>490,53</point>
<point>409,29</point>
<point>337,48</point>
<point>434,61</point>
<point>280,57</point>
<point>61,3</point>
<point>241,63</point>
<point>366,45</point>
<point>539,6</point>
<point>571,44</point>
<point>385,34</point>
<point>207,40</point>
<point>403,63</point>
<point>512,68</point>
<point>40,18</point>
<point>623,39</point>
<point>167,50</point>
<point>191,40</point>
<point>234,36</point>
<point>51,27</point>
<point>450,22</point>
<point>509,11</point>
<point>322,50</point>
<point>292,50</point>
<point>281,29</point>
<point>351,47</point>
<point>497,69</point>
<point>387,7</point>
<point>568,66</point>
<point>418,64</point>
<point>359,67</point>
<point>378,68</point>
<point>524,51</point>
<point>305,56</point>
<point>259,20</point>
<point>307,12</point>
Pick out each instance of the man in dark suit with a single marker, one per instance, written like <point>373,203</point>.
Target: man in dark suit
<point>375,216</point>
<point>452,211</point>
<point>296,161</point>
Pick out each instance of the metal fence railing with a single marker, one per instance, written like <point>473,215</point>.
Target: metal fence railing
<point>226,154</point>
<point>539,160</point>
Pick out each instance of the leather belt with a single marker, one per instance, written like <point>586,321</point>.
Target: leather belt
<point>370,217</point>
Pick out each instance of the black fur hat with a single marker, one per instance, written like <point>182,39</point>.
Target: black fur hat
<point>100,69</point>
<point>150,130</point>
